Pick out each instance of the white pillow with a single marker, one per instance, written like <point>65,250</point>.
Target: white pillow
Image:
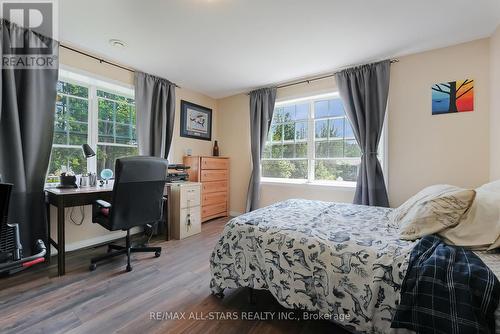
<point>480,228</point>
<point>492,186</point>
<point>432,210</point>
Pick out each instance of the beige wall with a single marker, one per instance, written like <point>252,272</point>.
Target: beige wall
<point>88,234</point>
<point>422,149</point>
<point>426,149</point>
<point>234,135</point>
<point>84,63</point>
<point>274,192</point>
<point>495,105</point>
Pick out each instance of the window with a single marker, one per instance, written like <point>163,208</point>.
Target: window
<point>285,154</point>
<point>70,130</point>
<point>311,140</point>
<point>95,112</point>
<point>116,129</point>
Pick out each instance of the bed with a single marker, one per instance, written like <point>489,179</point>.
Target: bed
<point>333,258</point>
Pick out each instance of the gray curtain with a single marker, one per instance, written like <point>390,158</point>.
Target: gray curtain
<point>364,93</point>
<point>261,114</point>
<point>26,130</point>
<point>155,109</point>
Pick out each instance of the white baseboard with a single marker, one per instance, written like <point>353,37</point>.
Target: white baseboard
<point>235,213</point>
<point>96,240</point>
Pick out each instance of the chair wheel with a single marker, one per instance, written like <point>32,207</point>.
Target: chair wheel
<point>129,268</point>
<point>157,254</point>
<point>92,266</point>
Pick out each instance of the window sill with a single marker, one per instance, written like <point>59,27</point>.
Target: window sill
<point>340,185</point>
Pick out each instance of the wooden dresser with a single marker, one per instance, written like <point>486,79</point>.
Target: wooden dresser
<point>213,173</point>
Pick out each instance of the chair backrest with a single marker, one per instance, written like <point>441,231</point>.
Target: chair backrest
<point>5,190</point>
<point>138,191</point>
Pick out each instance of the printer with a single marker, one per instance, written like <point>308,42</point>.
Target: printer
<point>177,173</point>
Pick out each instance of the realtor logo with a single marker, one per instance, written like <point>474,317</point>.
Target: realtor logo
<point>35,16</point>
<point>31,34</point>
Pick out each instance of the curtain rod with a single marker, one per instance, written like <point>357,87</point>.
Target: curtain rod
<point>101,60</point>
<point>392,61</point>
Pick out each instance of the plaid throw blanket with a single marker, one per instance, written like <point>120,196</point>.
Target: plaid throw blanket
<point>447,289</point>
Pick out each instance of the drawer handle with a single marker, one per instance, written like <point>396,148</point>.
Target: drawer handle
<point>188,223</point>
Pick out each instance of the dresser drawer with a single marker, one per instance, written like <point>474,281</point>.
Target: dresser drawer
<point>213,175</point>
<point>214,163</point>
<point>190,196</point>
<point>214,187</point>
<point>189,222</point>
<point>214,198</point>
<point>212,210</point>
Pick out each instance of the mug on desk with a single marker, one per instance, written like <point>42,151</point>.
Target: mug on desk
<point>92,179</point>
<point>84,181</point>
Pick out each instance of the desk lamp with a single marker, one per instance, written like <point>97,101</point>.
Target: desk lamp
<point>88,152</point>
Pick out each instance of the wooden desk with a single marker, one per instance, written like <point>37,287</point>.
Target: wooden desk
<point>65,198</point>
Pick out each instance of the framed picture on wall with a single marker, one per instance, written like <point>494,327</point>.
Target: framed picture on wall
<point>196,121</point>
<point>452,97</point>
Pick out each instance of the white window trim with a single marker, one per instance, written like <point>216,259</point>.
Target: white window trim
<point>93,82</point>
<point>341,185</point>
<point>384,149</point>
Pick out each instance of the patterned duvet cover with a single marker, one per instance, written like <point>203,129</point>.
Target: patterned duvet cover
<point>338,259</point>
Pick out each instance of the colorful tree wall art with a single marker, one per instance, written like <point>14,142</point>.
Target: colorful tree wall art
<point>451,97</point>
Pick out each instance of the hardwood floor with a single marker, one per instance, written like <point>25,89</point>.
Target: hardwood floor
<point>110,300</point>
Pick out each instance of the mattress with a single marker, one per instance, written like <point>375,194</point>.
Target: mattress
<point>492,260</point>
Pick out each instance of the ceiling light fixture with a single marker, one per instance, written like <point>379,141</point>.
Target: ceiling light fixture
<point>117,43</point>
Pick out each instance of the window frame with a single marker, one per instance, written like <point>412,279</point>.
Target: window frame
<point>94,83</point>
<point>311,140</point>
<point>65,95</point>
<point>114,121</point>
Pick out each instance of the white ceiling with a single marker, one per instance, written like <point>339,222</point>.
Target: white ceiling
<point>224,47</point>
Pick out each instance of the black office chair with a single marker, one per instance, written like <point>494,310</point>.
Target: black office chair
<point>137,201</point>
